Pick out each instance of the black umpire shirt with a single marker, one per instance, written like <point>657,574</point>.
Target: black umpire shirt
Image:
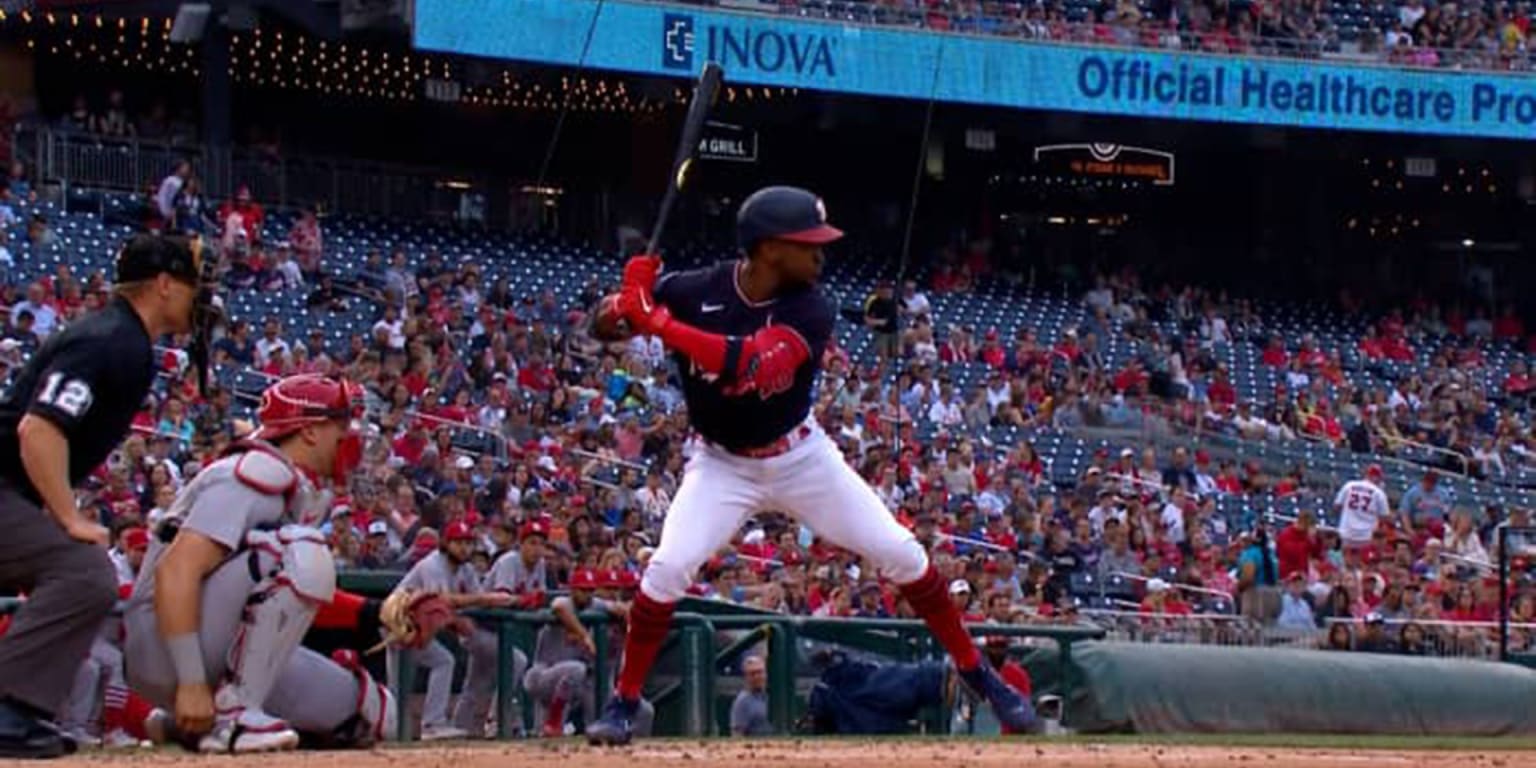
<point>88,380</point>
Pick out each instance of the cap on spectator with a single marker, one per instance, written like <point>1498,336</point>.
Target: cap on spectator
<point>538,528</point>
<point>135,538</point>
<point>458,530</point>
<point>473,518</point>
<point>1157,585</point>
<point>959,587</point>
<point>1202,458</point>
<point>754,536</point>
<point>584,578</point>
<point>378,528</point>
<point>1375,618</point>
<point>464,462</point>
<point>426,539</point>
<point>1373,471</point>
<point>1093,471</point>
<point>1126,453</point>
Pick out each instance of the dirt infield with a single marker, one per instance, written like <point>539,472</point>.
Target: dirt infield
<point>832,754</point>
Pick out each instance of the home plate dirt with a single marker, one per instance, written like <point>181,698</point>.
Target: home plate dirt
<point>824,754</point>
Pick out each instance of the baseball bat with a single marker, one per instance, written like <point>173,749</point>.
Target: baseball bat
<point>705,91</point>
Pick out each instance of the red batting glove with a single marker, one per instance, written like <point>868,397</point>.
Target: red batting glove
<point>641,271</point>
<point>645,316</point>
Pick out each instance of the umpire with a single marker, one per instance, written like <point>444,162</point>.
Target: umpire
<point>66,411</point>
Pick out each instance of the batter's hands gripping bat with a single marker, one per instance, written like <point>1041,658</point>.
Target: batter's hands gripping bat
<point>704,94</point>
<point>607,323</point>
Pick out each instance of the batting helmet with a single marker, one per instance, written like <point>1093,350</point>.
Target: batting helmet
<point>783,213</point>
<point>299,401</point>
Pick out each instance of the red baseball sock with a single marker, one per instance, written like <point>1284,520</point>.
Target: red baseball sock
<point>649,621</point>
<point>554,719</point>
<point>126,710</point>
<point>930,598</point>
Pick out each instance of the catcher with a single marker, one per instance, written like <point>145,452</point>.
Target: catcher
<point>236,574</point>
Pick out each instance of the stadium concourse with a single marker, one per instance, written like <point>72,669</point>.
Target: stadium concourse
<point>1123,454</point>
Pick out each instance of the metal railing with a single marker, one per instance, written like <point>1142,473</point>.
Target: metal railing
<point>1144,32</point>
<point>77,159</point>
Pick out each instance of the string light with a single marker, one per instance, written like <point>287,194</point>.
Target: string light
<point>294,62</point>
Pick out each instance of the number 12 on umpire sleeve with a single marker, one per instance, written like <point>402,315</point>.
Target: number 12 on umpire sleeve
<point>73,399</point>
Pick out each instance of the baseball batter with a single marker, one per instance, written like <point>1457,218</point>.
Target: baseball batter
<point>235,576</point>
<point>748,336</point>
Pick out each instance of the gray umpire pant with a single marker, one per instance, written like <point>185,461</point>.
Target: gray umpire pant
<point>71,588</point>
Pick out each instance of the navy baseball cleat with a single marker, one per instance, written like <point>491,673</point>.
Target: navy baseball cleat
<point>1012,710</point>
<point>616,726</point>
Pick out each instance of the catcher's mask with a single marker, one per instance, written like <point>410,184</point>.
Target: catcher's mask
<point>186,259</point>
<point>298,401</point>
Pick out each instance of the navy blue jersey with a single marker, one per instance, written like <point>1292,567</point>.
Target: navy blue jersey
<point>710,300</point>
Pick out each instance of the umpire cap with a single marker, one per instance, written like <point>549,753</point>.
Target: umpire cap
<point>783,213</point>
<point>146,256</point>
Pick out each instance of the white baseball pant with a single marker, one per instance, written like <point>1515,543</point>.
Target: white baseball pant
<point>810,482</point>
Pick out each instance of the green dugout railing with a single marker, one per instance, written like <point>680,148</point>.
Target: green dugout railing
<point>695,637</point>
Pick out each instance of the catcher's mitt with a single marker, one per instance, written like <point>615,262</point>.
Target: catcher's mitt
<point>412,618</point>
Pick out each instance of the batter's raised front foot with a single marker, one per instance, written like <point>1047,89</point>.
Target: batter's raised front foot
<point>1011,708</point>
<point>616,726</point>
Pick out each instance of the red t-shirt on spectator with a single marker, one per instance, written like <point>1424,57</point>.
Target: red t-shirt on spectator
<point>414,383</point>
<point>540,378</point>
<point>1223,395</point>
<point>410,449</point>
<point>1274,357</point>
<point>1517,383</point>
<point>1293,548</point>
<point>1508,326</point>
<point>1397,350</point>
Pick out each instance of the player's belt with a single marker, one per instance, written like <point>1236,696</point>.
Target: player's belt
<point>778,447</point>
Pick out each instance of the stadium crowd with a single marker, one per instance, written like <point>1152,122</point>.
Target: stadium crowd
<point>494,417</point>
<point>1419,33</point>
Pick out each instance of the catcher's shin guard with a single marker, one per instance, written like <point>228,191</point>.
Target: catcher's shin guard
<point>376,720</point>
<point>295,575</point>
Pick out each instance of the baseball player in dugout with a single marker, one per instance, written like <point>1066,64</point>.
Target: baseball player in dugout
<point>67,410</point>
<point>748,336</point>
<point>237,572</point>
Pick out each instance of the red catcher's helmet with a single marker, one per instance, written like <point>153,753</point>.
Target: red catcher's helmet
<point>299,401</point>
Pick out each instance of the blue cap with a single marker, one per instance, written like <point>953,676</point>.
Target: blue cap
<point>784,213</point>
